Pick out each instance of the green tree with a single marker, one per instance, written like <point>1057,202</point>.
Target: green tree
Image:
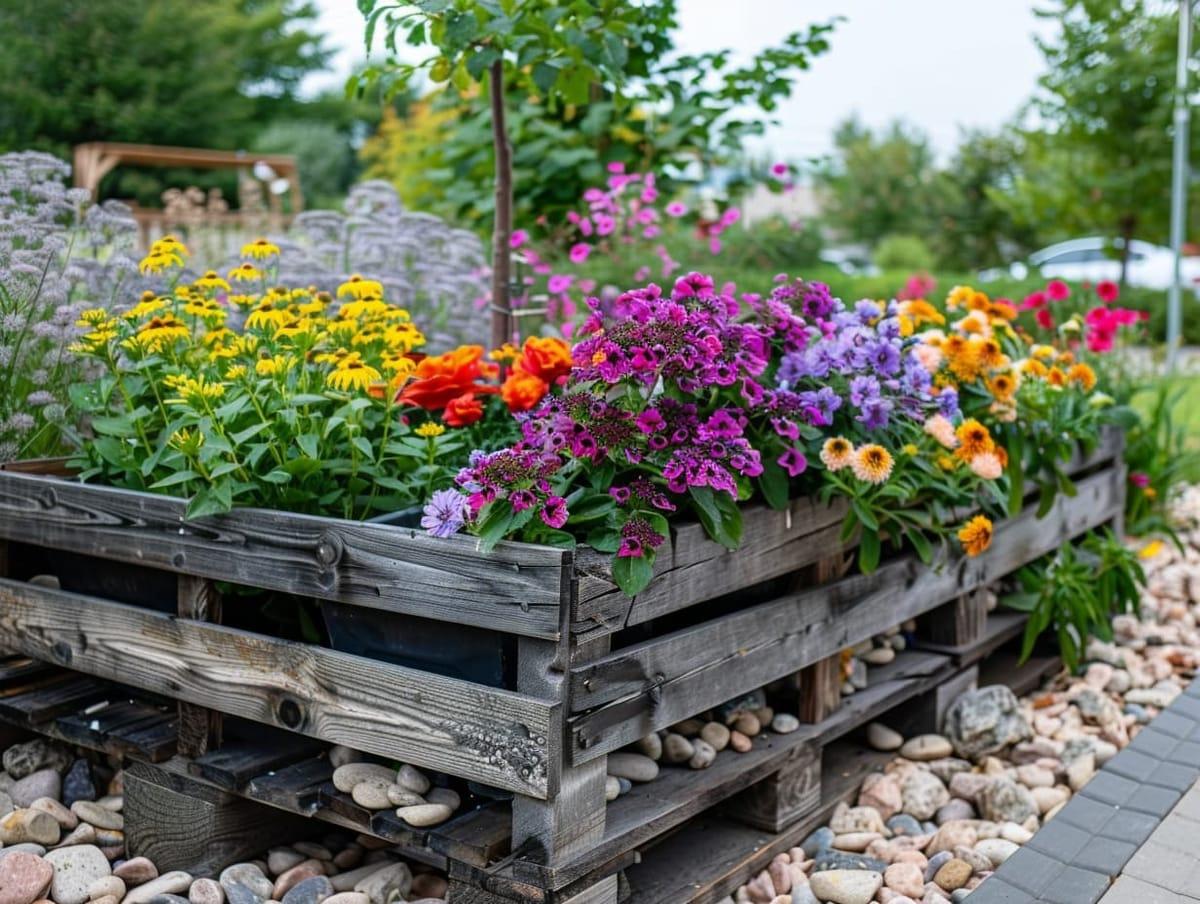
<point>203,73</point>
<point>1106,100</point>
<point>876,185</point>
<point>587,67</point>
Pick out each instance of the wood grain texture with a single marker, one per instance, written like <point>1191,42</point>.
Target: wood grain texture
<point>960,622</point>
<point>651,685</point>
<point>819,687</point>
<point>780,799</point>
<point>199,728</point>
<point>184,825</point>
<point>690,568</point>
<point>497,737</point>
<point>518,588</point>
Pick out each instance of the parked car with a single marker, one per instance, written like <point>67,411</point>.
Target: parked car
<point>1096,258</point>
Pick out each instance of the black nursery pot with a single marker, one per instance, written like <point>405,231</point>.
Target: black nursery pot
<point>455,650</point>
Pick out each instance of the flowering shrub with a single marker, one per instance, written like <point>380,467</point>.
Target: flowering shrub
<point>696,400</point>
<point>56,251</point>
<point>232,390</point>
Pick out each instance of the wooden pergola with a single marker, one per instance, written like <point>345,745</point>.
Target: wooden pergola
<point>95,159</point>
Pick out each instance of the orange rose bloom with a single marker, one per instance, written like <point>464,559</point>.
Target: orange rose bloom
<point>463,411</point>
<point>521,391</point>
<point>546,358</point>
<point>438,379</point>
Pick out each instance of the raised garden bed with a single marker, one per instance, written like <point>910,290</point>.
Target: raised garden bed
<point>590,670</point>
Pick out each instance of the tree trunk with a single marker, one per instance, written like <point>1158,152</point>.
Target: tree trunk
<point>1128,224</point>
<point>502,318</point>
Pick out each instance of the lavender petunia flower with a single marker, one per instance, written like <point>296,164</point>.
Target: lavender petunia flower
<point>445,513</point>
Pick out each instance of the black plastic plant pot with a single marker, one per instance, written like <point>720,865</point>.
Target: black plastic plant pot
<point>444,648</point>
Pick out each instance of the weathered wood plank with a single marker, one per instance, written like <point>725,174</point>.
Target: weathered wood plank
<point>690,568</point>
<point>518,588</point>
<point>199,728</point>
<point>960,622</point>
<point>819,686</point>
<point>233,766</point>
<point>654,684</point>
<point>294,787</point>
<point>180,824</point>
<point>501,738</point>
<point>790,794</point>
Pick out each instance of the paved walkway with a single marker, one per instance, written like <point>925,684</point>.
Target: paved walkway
<point>1130,836</point>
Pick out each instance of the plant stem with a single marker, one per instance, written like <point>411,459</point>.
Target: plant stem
<point>502,319</point>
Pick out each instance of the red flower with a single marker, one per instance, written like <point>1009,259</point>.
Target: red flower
<point>463,411</point>
<point>1057,290</point>
<point>1044,319</point>
<point>1034,300</point>
<point>1107,291</point>
<point>442,378</point>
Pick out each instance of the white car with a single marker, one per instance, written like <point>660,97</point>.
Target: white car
<point>1095,258</point>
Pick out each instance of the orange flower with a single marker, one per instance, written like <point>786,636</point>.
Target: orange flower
<point>976,535</point>
<point>1083,375</point>
<point>438,379</point>
<point>463,411</point>
<point>973,439</point>
<point>546,358</point>
<point>521,391</point>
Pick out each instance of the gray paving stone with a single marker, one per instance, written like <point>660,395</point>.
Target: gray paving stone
<point>1109,788</point>
<point>1086,813</point>
<point>1127,825</point>
<point>1060,840</point>
<point>1173,775</point>
<point>1188,707</point>
<point>1030,870</point>
<point>996,891</point>
<point>1104,855</point>
<point>1177,833</point>
<point>1161,865</point>
<point>1193,689</point>
<point>1188,806</point>
<point>1175,725</point>
<point>1131,890</point>
<point>1133,764</point>
<point>1186,753</point>
<point>1155,743</point>
<point>1153,800</point>
<point>1075,886</point>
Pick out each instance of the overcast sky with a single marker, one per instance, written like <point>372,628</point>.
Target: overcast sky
<point>941,64</point>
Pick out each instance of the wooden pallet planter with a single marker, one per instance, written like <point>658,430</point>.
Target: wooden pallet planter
<point>594,670</point>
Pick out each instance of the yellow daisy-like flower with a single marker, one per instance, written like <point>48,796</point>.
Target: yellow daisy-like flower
<point>267,316</point>
<point>187,441</point>
<point>260,250</point>
<point>397,363</point>
<point>1043,352</point>
<point>946,462</point>
<point>505,354</point>
<point>973,439</point>
<point>364,306</point>
<point>168,244</point>
<point>245,272</point>
<point>921,312</point>
<point>430,429</point>
<point>910,449</point>
<point>236,372</point>
<point>1034,368</point>
<point>159,263</point>
<point>976,535</point>
<point>1056,377</point>
<point>272,365</point>
<point>872,463</point>
<point>93,317</point>
<point>211,280</point>
<point>837,453</point>
<point>195,391</point>
<point>149,305</point>
<point>1002,385</point>
<point>352,373</point>
<point>357,287</point>
<point>158,333</point>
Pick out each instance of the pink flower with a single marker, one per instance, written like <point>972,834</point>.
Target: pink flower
<point>616,167</point>
<point>1033,300</point>
<point>593,194</point>
<point>676,209</point>
<point>518,238</point>
<point>987,466</point>
<point>604,224</point>
<point>1139,480</point>
<point>641,274</point>
<point>651,232</point>
<point>729,217</point>
<point>779,170</point>
<point>1107,291</point>
<point>1044,319</point>
<point>1057,290</point>
<point>793,461</point>
<point>559,282</point>
<point>585,226</point>
<point>714,245</point>
<point>579,252</point>
<point>940,428</point>
<point>649,194</point>
<point>587,285</point>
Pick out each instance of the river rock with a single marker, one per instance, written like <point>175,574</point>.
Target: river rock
<point>922,794</point>
<point>1097,708</point>
<point>98,816</point>
<point>429,885</point>
<point>748,724</point>
<point>423,815</point>
<point>996,850</point>
<point>612,787</point>
<point>347,776</point>
<point>311,891</point>
<point>651,746</point>
<point>136,871</point>
<point>206,891</point>
<point>1046,799</point>
<point>958,833</point>
<point>24,878</point>
<point>846,886</point>
<point>282,859</point>
<point>926,747</point>
<point>905,879</point>
<point>289,879</point>
<point>905,825</point>
<point>633,766</point>
<point>348,897</point>
<point>967,785</point>
<point>1003,800</point>
<point>106,886</point>
<point>373,794</point>
<point>879,656</point>
<point>882,792</point>
<point>881,737</point>
<point>784,723</point>
<point>954,809</point>
<point>78,783</point>
<point>1081,770</point>
<point>847,820</point>
<point>24,759</point>
<point>43,783</point>
<point>832,859</point>
<point>740,742</point>
<point>61,814</point>
<point>677,749</point>
<point>412,778</point>
<point>395,879</point>
<point>953,874</point>
<point>716,735</point>
<point>818,842</point>
<point>173,883</point>
<point>248,876</point>
<point>37,826</point>
<point>985,721</point>
<point>76,869</point>
<point>703,754</point>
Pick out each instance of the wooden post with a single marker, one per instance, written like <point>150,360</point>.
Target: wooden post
<point>182,824</point>
<point>551,832</point>
<point>790,794</point>
<point>820,684</point>
<point>199,728</point>
<point>959,622</point>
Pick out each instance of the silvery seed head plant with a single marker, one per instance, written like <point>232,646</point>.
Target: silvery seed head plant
<point>59,254</point>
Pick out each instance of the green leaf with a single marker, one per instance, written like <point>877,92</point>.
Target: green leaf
<point>494,523</point>
<point>544,76</point>
<point>774,484</point>
<point>719,514</point>
<point>308,443</point>
<point>864,514</point>
<point>921,545</point>
<point>214,500</point>
<point>604,539</point>
<point>632,573</point>
<point>120,425</point>
<point>175,479</point>
<point>868,551</point>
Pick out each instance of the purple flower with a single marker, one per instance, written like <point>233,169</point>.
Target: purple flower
<point>824,400</point>
<point>863,390</point>
<point>884,357</point>
<point>948,402</point>
<point>875,414</point>
<point>445,513</point>
<point>793,461</point>
<point>554,513</point>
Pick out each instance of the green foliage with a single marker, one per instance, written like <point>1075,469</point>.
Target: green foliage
<point>1075,591</point>
<point>198,73</point>
<point>1159,452</point>
<point>587,83</point>
<point>903,252</point>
